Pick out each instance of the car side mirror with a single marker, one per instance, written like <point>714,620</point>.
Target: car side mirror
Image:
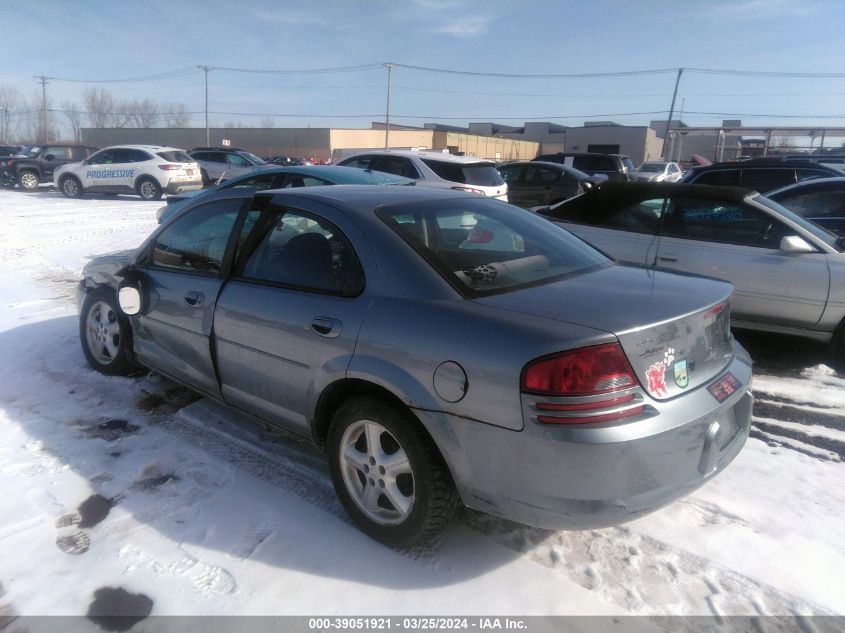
<point>49,157</point>
<point>795,244</point>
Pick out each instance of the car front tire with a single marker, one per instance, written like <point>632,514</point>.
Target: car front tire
<point>28,180</point>
<point>105,334</point>
<point>388,474</point>
<point>71,187</point>
<point>149,189</point>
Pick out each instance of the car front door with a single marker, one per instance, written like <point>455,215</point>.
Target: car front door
<point>741,244</point>
<point>180,273</point>
<point>54,157</point>
<point>625,230</point>
<point>512,175</point>
<point>538,186</point>
<point>286,324</point>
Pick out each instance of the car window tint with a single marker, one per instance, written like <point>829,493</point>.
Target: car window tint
<point>296,180</point>
<point>636,216</point>
<point>303,251</point>
<point>817,204</point>
<point>510,173</point>
<point>359,162</point>
<point>594,163</point>
<point>809,174</point>
<point>59,153</point>
<point>763,180</point>
<point>714,221</point>
<point>237,161</point>
<point>105,157</point>
<point>395,165</point>
<point>259,181</point>
<point>725,177</point>
<point>482,247</point>
<point>196,241</point>
<point>201,156</point>
<point>176,156</point>
<point>216,157</point>
<point>540,175</point>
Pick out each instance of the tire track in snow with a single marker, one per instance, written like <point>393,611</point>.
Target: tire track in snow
<point>73,236</point>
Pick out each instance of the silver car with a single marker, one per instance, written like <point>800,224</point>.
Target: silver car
<point>788,273</point>
<point>442,347</point>
<point>658,171</point>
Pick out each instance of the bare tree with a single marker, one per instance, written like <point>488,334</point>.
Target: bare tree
<point>74,118</point>
<point>9,99</point>
<point>99,105</point>
<point>143,113</point>
<point>31,123</point>
<point>175,115</point>
<point>231,125</point>
<point>266,122</point>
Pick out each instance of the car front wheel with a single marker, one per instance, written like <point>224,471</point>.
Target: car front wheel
<point>149,189</point>
<point>105,334</point>
<point>388,474</point>
<point>71,187</point>
<point>28,180</point>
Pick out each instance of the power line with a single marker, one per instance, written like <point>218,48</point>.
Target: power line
<point>627,73</point>
<point>180,72</point>
<point>308,71</point>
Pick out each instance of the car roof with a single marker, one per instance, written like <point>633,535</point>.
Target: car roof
<point>340,173</point>
<point>614,189</point>
<point>152,148</point>
<point>363,199</point>
<point>431,155</point>
<point>760,163</point>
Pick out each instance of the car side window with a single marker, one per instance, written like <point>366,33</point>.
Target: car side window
<point>196,241</point>
<point>105,157</point>
<point>809,174</point>
<point>59,153</point>
<point>764,180</point>
<point>715,221</point>
<point>123,156</point>
<point>818,204</point>
<point>296,180</point>
<point>359,162</point>
<point>540,175</point>
<point>635,216</point>
<point>396,165</point>
<point>237,161</point>
<point>259,181</point>
<point>216,157</point>
<point>724,177</point>
<point>304,251</point>
<point>510,173</point>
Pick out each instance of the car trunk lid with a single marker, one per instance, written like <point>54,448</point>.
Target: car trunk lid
<point>674,329</point>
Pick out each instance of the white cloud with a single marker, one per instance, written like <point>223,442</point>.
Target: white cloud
<point>757,9</point>
<point>463,27</point>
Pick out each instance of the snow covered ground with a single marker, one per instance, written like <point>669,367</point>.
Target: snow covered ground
<point>137,485</point>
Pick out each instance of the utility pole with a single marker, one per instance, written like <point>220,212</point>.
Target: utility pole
<point>4,132</point>
<point>671,113</point>
<point>387,111</point>
<point>42,133</point>
<point>207,136</point>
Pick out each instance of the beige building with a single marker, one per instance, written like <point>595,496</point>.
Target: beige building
<point>320,143</point>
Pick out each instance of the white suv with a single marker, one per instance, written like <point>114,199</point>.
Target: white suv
<point>144,170</point>
<point>433,169</point>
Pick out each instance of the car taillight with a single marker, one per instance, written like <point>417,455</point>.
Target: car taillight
<point>169,167</point>
<point>479,235</point>
<point>579,378</point>
<point>469,189</point>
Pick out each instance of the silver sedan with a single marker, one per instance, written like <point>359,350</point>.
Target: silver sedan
<point>443,348</point>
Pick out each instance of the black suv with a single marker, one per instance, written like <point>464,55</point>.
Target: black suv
<point>39,163</point>
<point>759,174</point>
<point>614,166</point>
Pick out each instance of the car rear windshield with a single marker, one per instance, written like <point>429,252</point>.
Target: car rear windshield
<point>482,174</point>
<point>652,167</point>
<point>482,247</point>
<point>253,158</point>
<point>176,156</point>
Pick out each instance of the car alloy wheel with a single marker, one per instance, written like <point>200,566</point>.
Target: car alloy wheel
<point>148,189</point>
<point>70,187</point>
<point>377,473</point>
<point>29,180</point>
<point>102,333</point>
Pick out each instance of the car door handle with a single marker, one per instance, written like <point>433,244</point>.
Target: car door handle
<point>668,258</point>
<point>194,298</point>
<point>327,326</point>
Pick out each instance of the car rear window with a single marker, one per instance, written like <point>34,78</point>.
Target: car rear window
<point>483,174</point>
<point>176,156</point>
<point>482,247</point>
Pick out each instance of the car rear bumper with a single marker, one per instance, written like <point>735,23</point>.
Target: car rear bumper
<point>181,187</point>
<point>560,477</point>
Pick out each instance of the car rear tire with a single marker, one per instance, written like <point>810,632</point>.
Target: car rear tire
<point>387,472</point>
<point>71,187</point>
<point>148,189</point>
<point>105,334</point>
<point>28,180</point>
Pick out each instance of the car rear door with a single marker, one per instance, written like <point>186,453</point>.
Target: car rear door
<point>513,175</point>
<point>538,186</point>
<point>286,324</point>
<point>180,275</point>
<point>741,244</point>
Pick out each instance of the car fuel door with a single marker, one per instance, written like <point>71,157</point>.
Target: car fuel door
<point>286,324</point>
<point>742,244</point>
<point>180,275</point>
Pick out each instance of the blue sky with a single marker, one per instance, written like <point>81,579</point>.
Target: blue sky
<point>118,39</point>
